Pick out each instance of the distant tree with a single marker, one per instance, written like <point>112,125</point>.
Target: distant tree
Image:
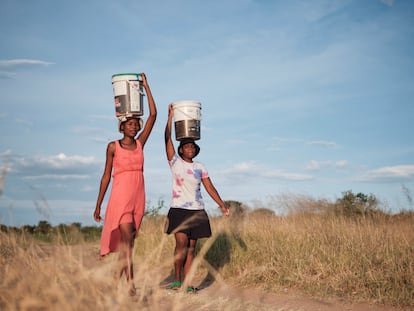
<point>61,228</point>
<point>3,228</point>
<point>358,204</point>
<point>237,209</point>
<point>43,227</point>
<point>154,210</point>
<point>68,229</point>
<point>28,229</point>
<point>76,225</point>
<point>91,233</point>
<point>262,211</point>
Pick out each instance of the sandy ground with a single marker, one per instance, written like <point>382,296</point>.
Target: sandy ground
<point>255,299</point>
<point>261,300</point>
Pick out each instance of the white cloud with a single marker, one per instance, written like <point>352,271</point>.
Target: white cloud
<point>388,2</point>
<point>22,62</point>
<point>395,173</point>
<point>252,170</point>
<point>279,174</point>
<point>60,161</point>
<point>18,63</point>
<point>327,144</point>
<point>7,153</point>
<point>315,165</point>
<point>317,143</point>
<point>57,177</point>
<point>48,166</point>
<point>341,163</point>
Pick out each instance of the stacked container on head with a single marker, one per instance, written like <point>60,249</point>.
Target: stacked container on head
<point>187,117</point>
<point>128,95</point>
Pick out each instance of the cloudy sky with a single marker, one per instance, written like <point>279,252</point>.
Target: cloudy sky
<point>298,97</point>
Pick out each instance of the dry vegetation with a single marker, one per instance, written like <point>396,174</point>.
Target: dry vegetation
<point>322,254</point>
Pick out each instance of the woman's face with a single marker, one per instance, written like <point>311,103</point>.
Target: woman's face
<point>131,127</point>
<point>188,150</point>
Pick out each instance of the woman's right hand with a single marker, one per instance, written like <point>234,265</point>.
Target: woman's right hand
<point>97,214</point>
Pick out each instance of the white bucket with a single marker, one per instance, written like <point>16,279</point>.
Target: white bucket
<point>187,116</point>
<point>128,94</point>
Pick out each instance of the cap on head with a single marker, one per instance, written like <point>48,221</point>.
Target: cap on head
<point>123,119</point>
<point>186,141</point>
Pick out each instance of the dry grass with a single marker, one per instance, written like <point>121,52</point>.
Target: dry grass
<point>51,276</point>
<point>358,259</point>
<point>368,260</point>
<point>365,260</point>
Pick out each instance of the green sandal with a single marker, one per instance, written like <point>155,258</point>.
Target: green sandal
<point>191,289</point>
<point>175,285</point>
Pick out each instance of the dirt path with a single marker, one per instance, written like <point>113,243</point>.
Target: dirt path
<point>220,296</point>
<point>226,298</point>
<point>261,300</point>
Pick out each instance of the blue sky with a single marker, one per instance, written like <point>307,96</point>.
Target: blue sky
<point>308,98</point>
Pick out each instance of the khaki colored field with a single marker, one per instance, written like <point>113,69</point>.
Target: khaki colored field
<point>305,261</point>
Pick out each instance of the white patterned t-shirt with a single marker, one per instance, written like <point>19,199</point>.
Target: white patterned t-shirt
<point>186,181</point>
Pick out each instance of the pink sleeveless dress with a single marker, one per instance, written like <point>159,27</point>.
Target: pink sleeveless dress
<point>127,199</point>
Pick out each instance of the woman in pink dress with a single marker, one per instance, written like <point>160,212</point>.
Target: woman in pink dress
<point>126,205</point>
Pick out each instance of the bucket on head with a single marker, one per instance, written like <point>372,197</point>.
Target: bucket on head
<point>187,116</point>
<point>128,94</point>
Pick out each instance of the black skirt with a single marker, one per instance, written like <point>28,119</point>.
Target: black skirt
<point>194,223</point>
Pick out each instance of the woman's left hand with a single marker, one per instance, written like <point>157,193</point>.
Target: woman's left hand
<point>144,79</point>
<point>225,210</point>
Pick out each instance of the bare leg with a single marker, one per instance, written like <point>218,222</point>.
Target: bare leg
<point>180,254</point>
<point>121,261</point>
<point>189,259</point>
<point>125,255</point>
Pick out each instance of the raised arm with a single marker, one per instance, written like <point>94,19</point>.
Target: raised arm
<point>149,124</point>
<point>169,146</point>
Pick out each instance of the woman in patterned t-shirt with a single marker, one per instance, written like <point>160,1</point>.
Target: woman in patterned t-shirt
<point>187,218</point>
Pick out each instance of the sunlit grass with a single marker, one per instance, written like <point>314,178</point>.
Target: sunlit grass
<point>364,259</point>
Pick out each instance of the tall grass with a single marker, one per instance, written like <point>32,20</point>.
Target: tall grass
<point>367,259</point>
<point>40,276</point>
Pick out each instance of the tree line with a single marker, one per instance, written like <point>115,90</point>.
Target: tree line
<point>353,205</point>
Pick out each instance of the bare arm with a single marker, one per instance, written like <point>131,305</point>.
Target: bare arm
<point>169,146</point>
<point>149,124</point>
<point>105,180</point>
<point>211,190</point>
